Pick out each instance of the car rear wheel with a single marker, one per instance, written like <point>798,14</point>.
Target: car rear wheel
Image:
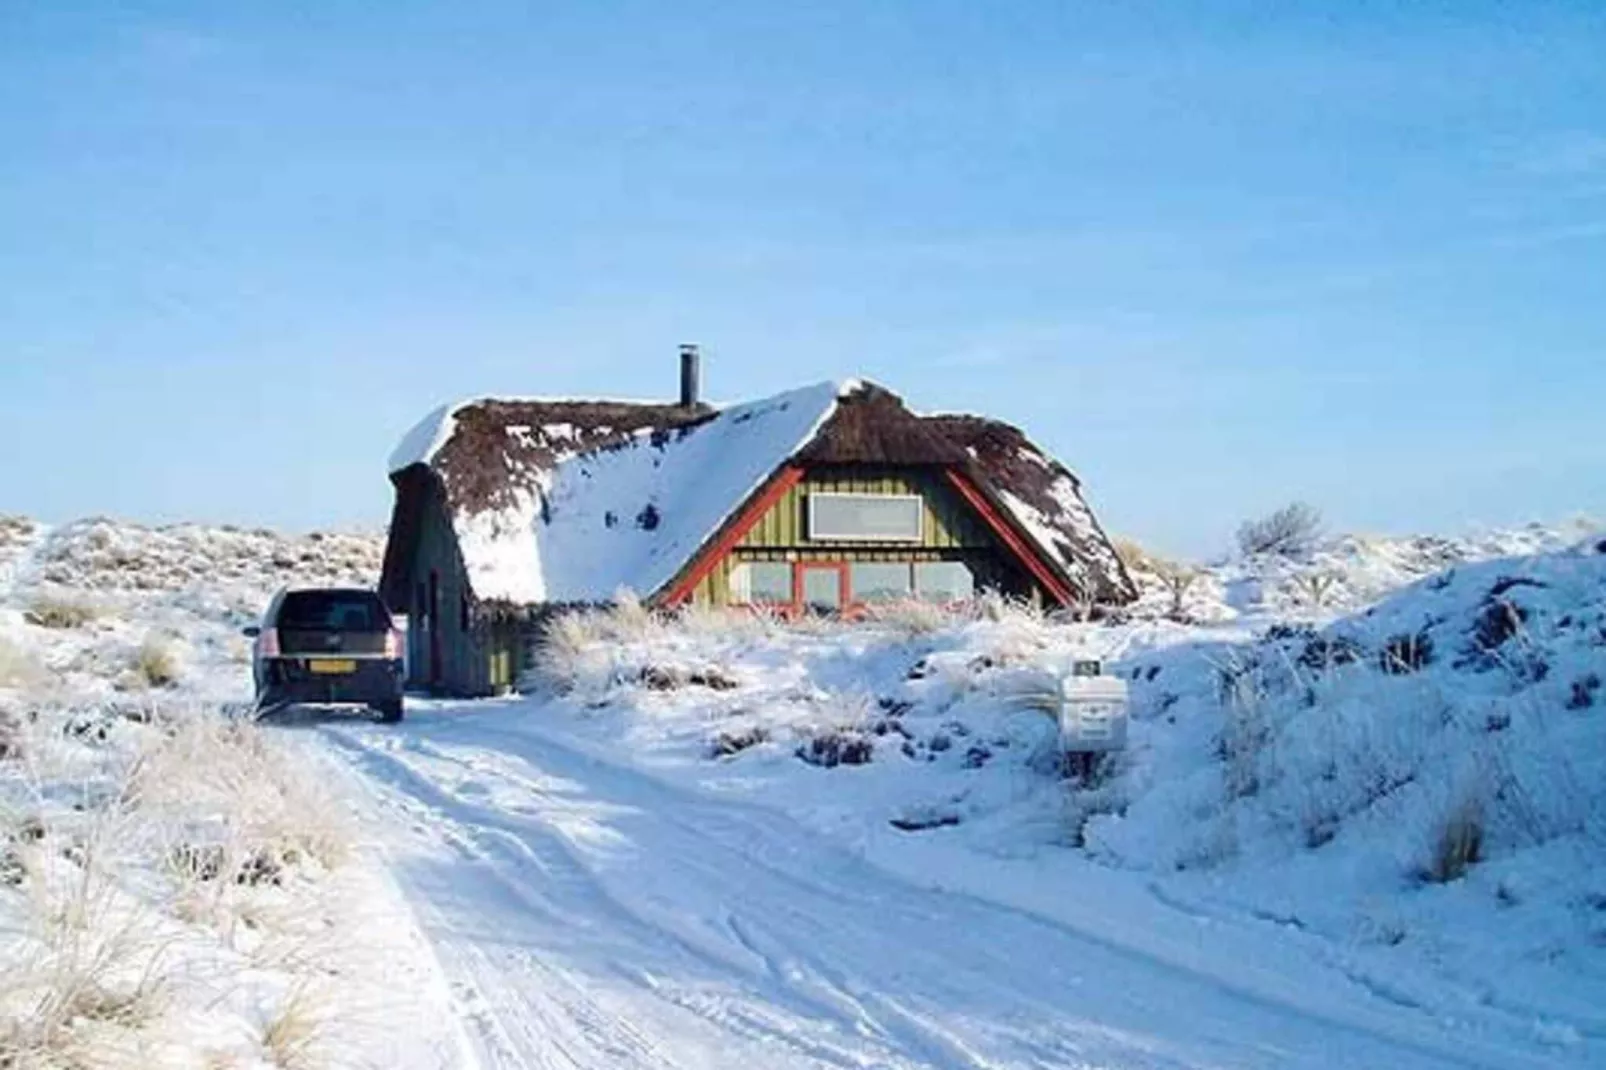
<point>390,711</point>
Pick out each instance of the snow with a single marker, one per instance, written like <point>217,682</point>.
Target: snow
<point>672,852</point>
<point>593,914</point>
<point>501,550</point>
<point>631,515</point>
<point>1271,846</point>
<point>420,444</point>
<point>1357,570</point>
<point>112,953</point>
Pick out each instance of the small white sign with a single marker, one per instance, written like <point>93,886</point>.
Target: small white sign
<point>1092,713</point>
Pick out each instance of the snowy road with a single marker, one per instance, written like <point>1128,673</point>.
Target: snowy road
<point>589,915</point>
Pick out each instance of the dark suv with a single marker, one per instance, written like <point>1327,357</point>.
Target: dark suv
<point>328,645</point>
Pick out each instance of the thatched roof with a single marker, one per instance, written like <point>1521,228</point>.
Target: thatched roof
<point>567,500</point>
<point>871,425</point>
<point>1046,498</point>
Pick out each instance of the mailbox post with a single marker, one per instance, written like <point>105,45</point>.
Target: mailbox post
<point>1092,715</point>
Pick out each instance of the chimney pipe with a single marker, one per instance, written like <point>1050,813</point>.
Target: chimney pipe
<point>690,376</point>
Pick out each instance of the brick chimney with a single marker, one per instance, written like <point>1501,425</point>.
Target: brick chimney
<point>690,376</point>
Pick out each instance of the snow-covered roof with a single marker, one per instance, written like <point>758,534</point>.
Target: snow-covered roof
<point>586,498</point>
<point>1045,499</point>
<point>570,501</point>
<point>419,445</point>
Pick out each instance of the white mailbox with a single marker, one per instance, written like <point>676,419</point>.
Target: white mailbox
<point>1092,712</point>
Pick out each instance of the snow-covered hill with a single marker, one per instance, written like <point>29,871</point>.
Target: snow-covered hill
<point>1412,793</point>
<point>86,603</point>
<point>1337,574</point>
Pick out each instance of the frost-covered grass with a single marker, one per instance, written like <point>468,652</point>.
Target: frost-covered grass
<point>18,667</point>
<point>178,888</point>
<point>161,869</point>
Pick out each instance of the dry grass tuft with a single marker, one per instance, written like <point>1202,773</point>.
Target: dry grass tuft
<point>1459,845</point>
<point>156,664</point>
<point>86,964</point>
<point>1133,555</point>
<point>56,610</point>
<point>272,811</point>
<point>290,1038</point>
<point>18,669</point>
<point>741,622</point>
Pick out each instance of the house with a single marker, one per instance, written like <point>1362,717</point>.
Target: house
<point>819,499</point>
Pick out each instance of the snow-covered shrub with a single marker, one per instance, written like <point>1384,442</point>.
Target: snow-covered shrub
<point>733,741</point>
<point>10,735</point>
<point>659,677</point>
<point>909,616</point>
<point>840,746</point>
<point>1288,532</point>
<point>573,650</point>
<point>990,605</point>
<point>629,618</point>
<point>1312,589</point>
<point>1177,580</point>
<point>736,622</point>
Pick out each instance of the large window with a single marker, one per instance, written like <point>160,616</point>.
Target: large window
<point>943,581</point>
<point>771,582</point>
<point>866,517</point>
<point>762,583</point>
<point>880,581</point>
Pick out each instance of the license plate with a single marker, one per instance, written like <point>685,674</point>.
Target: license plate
<point>332,666</point>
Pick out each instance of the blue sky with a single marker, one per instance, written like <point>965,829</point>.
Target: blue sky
<point>1216,256</point>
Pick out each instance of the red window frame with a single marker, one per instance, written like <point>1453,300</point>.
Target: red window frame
<point>799,605</point>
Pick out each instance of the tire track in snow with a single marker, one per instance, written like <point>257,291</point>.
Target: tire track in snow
<point>490,843</point>
<point>782,828</point>
<point>757,926</point>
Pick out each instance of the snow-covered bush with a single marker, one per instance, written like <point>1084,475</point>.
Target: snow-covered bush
<point>572,648</point>
<point>743,622</point>
<point>910,616</point>
<point>1290,531</point>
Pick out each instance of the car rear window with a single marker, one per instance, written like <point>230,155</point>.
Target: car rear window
<point>333,611</point>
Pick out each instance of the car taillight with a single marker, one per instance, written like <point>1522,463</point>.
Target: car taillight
<point>268,643</point>
<point>393,643</point>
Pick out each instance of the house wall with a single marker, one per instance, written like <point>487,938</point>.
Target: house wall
<point>951,531</point>
<point>474,660</point>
